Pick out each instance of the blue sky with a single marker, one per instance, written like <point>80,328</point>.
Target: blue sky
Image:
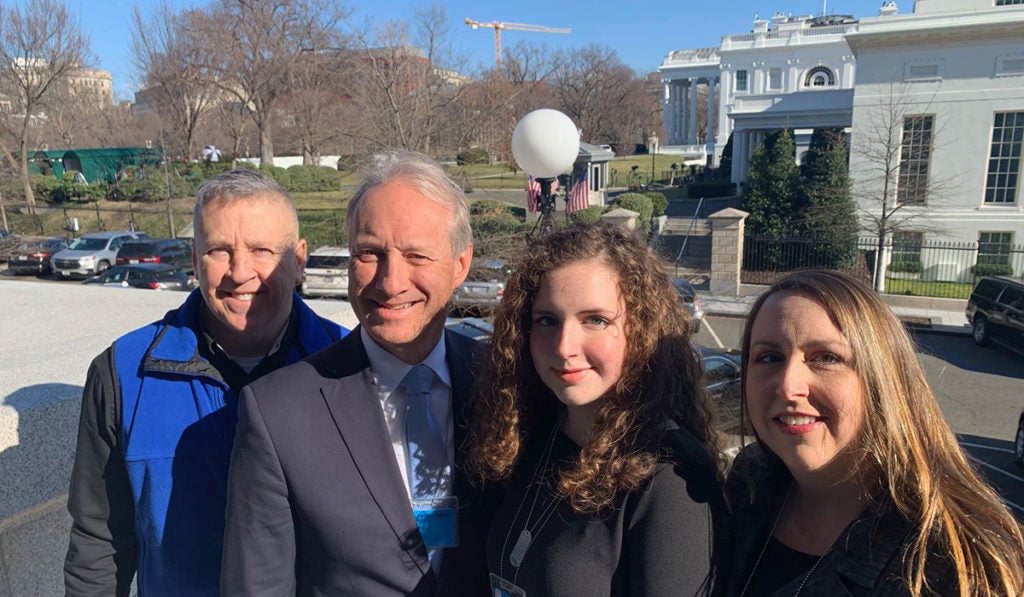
<point>641,31</point>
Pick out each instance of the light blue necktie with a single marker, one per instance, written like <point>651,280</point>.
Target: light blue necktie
<point>429,471</point>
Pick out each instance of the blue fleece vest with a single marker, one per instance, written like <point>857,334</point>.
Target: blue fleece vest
<point>177,429</point>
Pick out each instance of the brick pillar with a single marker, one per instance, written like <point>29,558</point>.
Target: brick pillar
<point>726,251</point>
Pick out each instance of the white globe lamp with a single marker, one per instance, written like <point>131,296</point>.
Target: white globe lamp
<point>545,143</point>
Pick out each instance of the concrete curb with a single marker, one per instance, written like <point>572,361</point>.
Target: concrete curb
<point>919,314</point>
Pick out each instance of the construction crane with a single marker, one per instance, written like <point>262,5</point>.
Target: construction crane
<point>499,25</point>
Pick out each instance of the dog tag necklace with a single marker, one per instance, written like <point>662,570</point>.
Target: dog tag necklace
<point>527,535</point>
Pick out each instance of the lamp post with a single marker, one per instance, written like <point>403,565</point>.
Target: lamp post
<point>545,143</point>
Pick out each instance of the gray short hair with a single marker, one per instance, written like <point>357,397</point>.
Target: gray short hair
<point>239,184</point>
<point>425,175</point>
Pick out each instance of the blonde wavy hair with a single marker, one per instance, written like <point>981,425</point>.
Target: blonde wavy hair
<point>661,377</point>
<point>910,448</point>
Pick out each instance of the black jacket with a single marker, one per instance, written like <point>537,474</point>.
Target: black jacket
<point>866,559</point>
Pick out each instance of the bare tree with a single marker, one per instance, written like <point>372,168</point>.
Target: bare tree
<point>77,119</point>
<point>489,109</point>
<point>527,63</point>
<point>892,146</point>
<point>311,115</point>
<point>41,45</point>
<point>232,122</point>
<point>255,45</point>
<point>601,95</point>
<point>404,78</point>
<point>175,65</point>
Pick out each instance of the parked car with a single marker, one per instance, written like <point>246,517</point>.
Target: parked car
<point>691,303</point>
<point>90,254</point>
<point>32,256</point>
<point>477,329</point>
<point>326,273</point>
<point>722,381</point>
<point>172,251</point>
<point>1018,442</point>
<point>483,288</point>
<point>155,276</point>
<point>995,312</point>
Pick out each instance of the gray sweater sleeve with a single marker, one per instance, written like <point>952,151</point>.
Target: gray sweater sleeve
<point>102,553</point>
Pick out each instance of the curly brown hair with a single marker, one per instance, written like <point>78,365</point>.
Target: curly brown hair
<point>660,382</point>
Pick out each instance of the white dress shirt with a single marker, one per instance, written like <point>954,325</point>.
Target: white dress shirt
<point>389,370</point>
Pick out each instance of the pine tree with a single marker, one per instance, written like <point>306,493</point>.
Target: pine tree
<point>772,192</point>
<point>830,213</point>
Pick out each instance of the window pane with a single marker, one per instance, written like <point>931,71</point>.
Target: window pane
<point>915,156</point>
<point>1005,158</point>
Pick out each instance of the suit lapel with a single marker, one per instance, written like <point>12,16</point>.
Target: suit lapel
<point>355,408</point>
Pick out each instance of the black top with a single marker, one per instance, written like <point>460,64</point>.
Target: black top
<point>656,541</point>
<point>778,566</point>
<point>866,559</point>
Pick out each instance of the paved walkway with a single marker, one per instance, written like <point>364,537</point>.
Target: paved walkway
<point>936,315</point>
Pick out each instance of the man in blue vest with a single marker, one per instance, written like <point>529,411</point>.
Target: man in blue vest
<point>158,418</point>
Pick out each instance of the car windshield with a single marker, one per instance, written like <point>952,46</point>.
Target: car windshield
<point>31,246</point>
<point>170,275</point>
<point>136,249</point>
<point>488,271</point>
<point>325,261</point>
<point>89,244</point>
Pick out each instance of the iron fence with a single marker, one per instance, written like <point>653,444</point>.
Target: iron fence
<point>920,268</point>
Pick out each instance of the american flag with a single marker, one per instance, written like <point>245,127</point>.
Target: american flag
<point>533,192</point>
<point>579,196</point>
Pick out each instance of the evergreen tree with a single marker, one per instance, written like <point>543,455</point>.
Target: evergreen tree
<point>772,192</point>
<point>725,162</point>
<point>830,213</point>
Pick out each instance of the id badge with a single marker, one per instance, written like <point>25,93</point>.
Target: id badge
<point>437,520</point>
<point>503,588</point>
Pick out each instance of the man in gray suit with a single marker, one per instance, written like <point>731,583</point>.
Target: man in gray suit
<point>346,477</point>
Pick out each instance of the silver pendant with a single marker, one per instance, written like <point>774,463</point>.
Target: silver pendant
<point>521,547</point>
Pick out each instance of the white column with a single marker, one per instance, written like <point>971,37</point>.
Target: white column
<point>677,107</point>
<point>680,113</point>
<point>709,139</point>
<point>666,107</point>
<point>691,134</point>
<point>725,125</point>
<point>739,155</point>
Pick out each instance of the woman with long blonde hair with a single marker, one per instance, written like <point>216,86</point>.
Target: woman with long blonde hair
<point>856,484</point>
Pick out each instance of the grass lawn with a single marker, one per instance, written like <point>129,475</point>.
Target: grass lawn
<point>500,176</point>
<point>934,289</point>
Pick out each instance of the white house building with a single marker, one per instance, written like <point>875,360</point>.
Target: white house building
<point>947,79</point>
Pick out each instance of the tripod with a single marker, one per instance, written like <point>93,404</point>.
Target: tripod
<point>546,206</point>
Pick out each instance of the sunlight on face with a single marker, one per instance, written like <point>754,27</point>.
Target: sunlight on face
<point>248,260</point>
<point>402,271</point>
<point>578,336</point>
<point>805,400</point>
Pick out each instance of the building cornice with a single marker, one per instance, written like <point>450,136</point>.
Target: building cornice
<point>900,30</point>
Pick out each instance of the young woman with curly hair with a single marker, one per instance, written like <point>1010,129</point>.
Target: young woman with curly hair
<point>591,412</point>
<point>856,485</point>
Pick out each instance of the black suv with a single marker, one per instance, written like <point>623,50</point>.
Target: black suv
<point>172,251</point>
<point>996,312</point>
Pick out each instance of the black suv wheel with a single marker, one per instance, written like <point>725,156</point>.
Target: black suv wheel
<point>980,331</point>
<point>1018,443</point>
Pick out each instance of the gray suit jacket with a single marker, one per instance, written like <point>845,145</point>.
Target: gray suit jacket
<point>316,503</point>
